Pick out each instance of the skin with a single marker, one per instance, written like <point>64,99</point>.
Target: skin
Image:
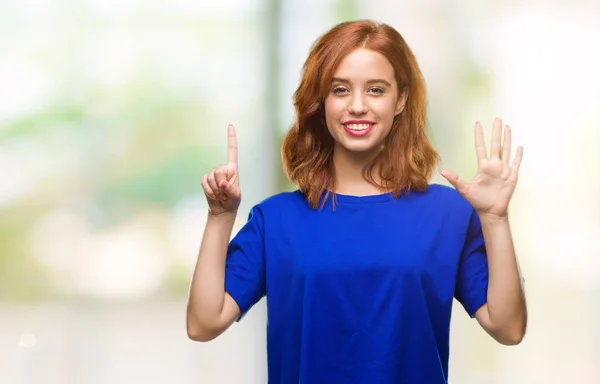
<point>211,310</point>
<point>504,316</point>
<point>364,88</point>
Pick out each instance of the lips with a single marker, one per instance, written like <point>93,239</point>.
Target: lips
<point>358,128</point>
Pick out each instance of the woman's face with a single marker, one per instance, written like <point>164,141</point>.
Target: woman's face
<point>362,102</point>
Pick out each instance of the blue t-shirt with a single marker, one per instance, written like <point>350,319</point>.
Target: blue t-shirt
<point>362,293</point>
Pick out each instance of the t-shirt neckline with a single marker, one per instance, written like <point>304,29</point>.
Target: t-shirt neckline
<point>355,199</point>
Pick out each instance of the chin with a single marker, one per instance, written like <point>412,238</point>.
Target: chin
<point>360,148</point>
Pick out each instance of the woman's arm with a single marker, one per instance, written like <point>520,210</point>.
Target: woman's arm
<point>211,310</point>
<point>504,316</point>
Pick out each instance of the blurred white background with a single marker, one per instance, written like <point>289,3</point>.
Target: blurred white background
<point>110,112</point>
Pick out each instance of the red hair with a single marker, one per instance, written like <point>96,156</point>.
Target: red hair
<point>407,159</point>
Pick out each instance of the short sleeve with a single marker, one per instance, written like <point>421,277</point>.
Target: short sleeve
<point>472,279</point>
<point>245,265</point>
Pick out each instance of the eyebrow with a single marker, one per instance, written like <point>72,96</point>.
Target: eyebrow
<point>372,81</point>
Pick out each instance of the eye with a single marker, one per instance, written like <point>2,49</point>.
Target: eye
<point>376,90</point>
<point>339,90</point>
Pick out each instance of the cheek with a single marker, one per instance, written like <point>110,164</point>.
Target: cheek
<point>385,111</point>
<point>333,110</point>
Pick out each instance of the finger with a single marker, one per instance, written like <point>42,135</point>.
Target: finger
<point>517,160</point>
<point>453,179</point>
<point>232,151</point>
<point>230,189</point>
<point>480,149</point>
<point>496,138</point>
<point>213,184</point>
<point>220,177</point>
<point>233,180</point>
<point>231,183</point>
<point>207,189</point>
<point>506,143</point>
<point>231,173</point>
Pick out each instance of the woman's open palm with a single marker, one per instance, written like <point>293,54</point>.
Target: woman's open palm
<point>493,186</point>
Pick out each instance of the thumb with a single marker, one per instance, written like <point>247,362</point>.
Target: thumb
<point>229,187</point>
<point>452,179</point>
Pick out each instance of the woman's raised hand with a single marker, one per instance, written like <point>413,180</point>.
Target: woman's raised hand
<point>221,185</point>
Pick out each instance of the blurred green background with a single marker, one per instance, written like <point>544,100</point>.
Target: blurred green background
<point>111,111</point>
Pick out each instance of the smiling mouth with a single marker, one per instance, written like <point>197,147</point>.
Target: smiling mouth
<point>358,129</point>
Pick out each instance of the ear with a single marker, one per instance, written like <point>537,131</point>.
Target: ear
<point>401,103</point>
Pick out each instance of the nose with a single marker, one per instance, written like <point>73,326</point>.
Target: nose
<point>357,104</point>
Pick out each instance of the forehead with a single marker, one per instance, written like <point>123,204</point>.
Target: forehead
<point>365,64</point>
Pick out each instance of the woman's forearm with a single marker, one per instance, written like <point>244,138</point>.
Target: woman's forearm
<point>207,295</point>
<point>506,299</point>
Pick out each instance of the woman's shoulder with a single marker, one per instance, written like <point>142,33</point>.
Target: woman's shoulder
<point>281,201</point>
<point>435,190</point>
<point>443,197</point>
<point>281,208</point>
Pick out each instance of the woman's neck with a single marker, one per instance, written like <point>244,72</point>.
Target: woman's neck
<point>349,179</point>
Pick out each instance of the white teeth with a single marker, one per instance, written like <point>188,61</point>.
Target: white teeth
<point>358,127</point>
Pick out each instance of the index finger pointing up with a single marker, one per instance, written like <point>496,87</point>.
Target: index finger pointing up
<point>232,155</point>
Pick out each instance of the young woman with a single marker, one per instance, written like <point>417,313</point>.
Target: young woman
<point>360,265</point>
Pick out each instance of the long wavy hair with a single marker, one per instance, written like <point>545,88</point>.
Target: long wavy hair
<point>407,159</point>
